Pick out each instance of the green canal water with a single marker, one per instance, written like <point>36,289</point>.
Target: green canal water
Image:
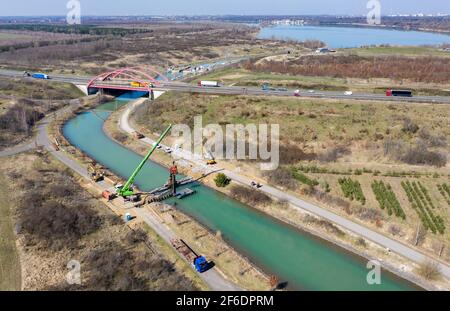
<point>296,257</point>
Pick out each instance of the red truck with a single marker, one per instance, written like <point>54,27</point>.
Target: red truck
<point>402,93</point>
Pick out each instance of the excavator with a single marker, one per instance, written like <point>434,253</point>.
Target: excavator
<point>126,191</point>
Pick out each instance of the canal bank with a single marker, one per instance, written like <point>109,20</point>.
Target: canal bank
<point>293,256</point>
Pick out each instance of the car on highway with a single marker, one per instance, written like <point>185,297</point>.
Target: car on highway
<point>297,93</point>
<point>348,93</point>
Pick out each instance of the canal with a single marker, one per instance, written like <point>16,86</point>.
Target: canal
<point>302,260</point>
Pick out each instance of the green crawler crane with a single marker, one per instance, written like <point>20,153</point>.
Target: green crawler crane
<point>127,189</point>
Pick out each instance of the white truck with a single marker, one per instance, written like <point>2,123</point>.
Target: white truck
<point>208,83</point>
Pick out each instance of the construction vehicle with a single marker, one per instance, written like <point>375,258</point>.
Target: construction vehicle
<point>198,262</point>
<point>138,84</point>
<point>211,159</point>
<point>138,135</point>
<point>126,191</point>
<point>95,173</point>
<point>108,195</point>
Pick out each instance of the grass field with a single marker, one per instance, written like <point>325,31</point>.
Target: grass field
<point>7,36</point>
<point>38,89</point>
<point>10,273</point>
<point>412,51</point>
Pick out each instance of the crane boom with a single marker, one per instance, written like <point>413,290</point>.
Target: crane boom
<point>126,190</point>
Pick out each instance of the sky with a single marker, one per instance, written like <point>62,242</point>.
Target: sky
<point>220,7</point>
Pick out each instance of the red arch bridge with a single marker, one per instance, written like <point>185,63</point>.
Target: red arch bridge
<point>142,79</point>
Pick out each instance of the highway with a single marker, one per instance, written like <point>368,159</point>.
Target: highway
<point>235,90</point>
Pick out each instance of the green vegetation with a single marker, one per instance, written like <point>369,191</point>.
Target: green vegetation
<point>444,189</point>
<point>221,180</point>
<point>314,169</point>
<point>412,51</point>
<point>325,186</point>
<point>322,170</point>
<point>387,199</point>
<point>421,203</point>
<point>352,190</point>
<point>304,179</point>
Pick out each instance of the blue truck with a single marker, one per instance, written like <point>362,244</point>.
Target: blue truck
<point>198,262</point>
<point>40,76</point>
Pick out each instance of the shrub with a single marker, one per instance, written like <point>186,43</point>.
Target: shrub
<point>291,154</point>
<point>333,154</point>
<point>120,268</point>
<point>249,196</point>
<point>386,199</point>
<point>281,177</point>
<point>409,126</point>
<point>304,179</point>
<point>54,213</point>
<point>221,180</point>
<point>429,270</point>
<point>120,137</point>
<point>417,196</point>
<point>419,154</point>
<point>444,190</point>
<point>370,214</point>
<point>432,140</point>
<point>361,242</point>
<point>352,190</point>
<point>393,147</point>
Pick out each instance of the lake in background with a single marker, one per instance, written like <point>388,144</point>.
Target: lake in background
<point>349,37</point>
